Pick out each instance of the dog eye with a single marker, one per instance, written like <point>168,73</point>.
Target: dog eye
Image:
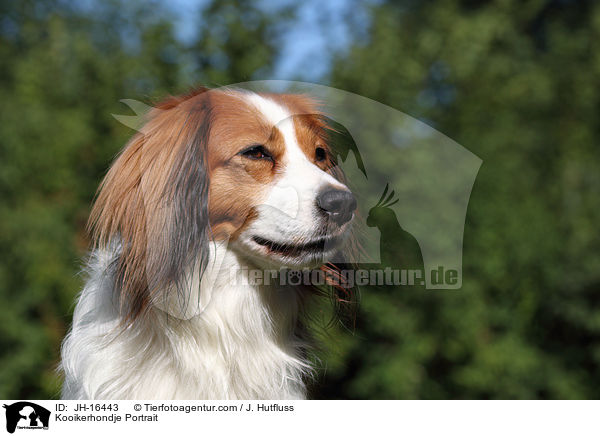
<point>256,152</point>
<point>320,154</point>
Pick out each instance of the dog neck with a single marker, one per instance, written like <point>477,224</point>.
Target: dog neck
<point>231,340</point>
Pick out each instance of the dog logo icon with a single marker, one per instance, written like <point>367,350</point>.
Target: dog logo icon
<point>26,415</point>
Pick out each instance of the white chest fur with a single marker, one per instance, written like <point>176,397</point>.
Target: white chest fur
<point>241,344</point>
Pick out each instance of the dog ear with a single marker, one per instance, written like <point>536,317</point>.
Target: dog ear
<point>152,208</point>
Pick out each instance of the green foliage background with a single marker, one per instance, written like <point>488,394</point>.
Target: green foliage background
<point>515,82</point>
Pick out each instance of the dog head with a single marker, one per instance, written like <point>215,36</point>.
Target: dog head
<point>252,170</point>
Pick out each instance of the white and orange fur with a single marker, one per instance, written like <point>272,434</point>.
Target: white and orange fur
<point>217,182</point>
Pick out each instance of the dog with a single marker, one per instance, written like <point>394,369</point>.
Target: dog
<point>217,183</point>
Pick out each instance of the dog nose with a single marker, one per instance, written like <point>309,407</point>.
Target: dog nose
<point>338,204</point>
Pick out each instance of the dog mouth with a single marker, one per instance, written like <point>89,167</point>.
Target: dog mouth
<point>293,250</point>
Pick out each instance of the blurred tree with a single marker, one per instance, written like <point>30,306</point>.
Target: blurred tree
<point>63,74</point>
<point>239,41</point>
<point>517,84</point>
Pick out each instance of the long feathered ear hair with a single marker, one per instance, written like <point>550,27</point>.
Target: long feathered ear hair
<point>152,206</point>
